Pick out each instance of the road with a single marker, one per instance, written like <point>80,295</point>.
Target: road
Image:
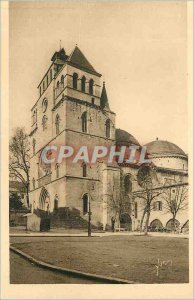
<point>24,272</point>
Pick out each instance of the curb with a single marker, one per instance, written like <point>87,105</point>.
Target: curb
<point>76,273</point>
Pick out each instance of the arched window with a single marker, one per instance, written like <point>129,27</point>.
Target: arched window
<point>34,117</point>
<point>107,127</point>
<point>57,170</point>
<point>75,77</point>
<point>44,199</point>
<point>34,146</point>
<point>51,75</point>
<point>84,122</point>
<point>127,184</point>
<point>62,81</point>
<point>43,86</point>
<point>84,170</point>
<point>44,122</point>
<point>57,123</point>
<point>40,91</point>
<point>91,83</point>
<point>83,84</point>
<point>47,81</point>
<point>44,104</point>
<point>85,204</point>
<point>58,83</point>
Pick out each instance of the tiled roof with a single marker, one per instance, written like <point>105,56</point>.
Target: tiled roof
<point>125,138</point>
<point>163,147</point>
<point>78,59</point>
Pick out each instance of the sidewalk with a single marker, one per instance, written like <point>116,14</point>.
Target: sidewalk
<point>62,232</point>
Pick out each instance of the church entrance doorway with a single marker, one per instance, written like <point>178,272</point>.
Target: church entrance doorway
<point>126,222</point>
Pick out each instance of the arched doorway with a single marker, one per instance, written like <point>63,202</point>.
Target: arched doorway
<point>56,203</point>
<point>170,225</point>
<point>126,222</point>
<point>156,225</point>
<point>44,200</point>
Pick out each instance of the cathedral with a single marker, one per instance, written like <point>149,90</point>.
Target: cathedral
<point>73,109</point>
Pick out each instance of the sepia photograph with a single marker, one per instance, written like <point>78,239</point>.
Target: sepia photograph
<point>99,147</point>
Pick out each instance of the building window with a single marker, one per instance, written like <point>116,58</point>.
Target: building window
<point>51,75</point>
<point>107,127</point>
<point>158,205</point>
<point>83,84</point>
<point>84,170</point>
<point>47,81</point>
<point>43,86</point>
<point>57,123</point>
<point>85,204</point>
<point>127,184</point>
<point>44,105</point>
<point>40,90</point>
<point>57,170</point>
<point>91,83</point>
<point>84,122</point>
<point>34,146</point>
<point>58,83</point>
<point>136,208</point>
<point>75,78</point>
<point>44,122</point>
<point>93,100</point>
<point>34,117</point>
<point>62,81</point>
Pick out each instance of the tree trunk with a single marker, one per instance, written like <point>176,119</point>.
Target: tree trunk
<point>27,195</point>
<point>147,221</point>
<point>174,225</point>
<point>141,223</point>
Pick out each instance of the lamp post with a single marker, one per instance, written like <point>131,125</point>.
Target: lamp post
<point>89,218</point>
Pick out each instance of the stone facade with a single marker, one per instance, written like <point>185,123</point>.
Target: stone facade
<point>73,109</point>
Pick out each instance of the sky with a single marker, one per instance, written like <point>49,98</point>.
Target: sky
<point>140,48</point>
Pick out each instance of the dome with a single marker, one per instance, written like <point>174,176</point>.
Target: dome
<point>125,138</point>
<point>164,147</point>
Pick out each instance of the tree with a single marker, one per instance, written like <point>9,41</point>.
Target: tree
<point>19,165</point>
<point>175,199</point>
<point>119,196</point>
<point>15,201</point>
<point>147,180</point>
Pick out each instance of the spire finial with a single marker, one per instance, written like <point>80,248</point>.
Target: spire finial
<point>103,83</point>
<point>60,44</point>
<point>157,139</point>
